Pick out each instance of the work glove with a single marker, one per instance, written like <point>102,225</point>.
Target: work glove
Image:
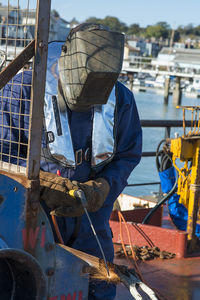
<point>55,192</point>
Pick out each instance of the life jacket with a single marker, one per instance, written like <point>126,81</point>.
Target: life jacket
<point>58,135</point>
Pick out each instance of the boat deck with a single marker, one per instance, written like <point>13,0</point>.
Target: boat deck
<point>174,279</point>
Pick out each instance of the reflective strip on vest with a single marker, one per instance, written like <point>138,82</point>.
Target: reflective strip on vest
<point>103,140</point>
<point>61,148</point>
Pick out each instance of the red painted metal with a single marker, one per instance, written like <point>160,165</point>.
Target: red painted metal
<point>171,240</point>
<point>174,278</point>
<point>137,215</point>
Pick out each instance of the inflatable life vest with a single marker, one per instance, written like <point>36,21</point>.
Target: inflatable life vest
<point>59,141</point>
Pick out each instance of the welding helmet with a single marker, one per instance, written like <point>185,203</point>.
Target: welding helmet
<point>89,65</point>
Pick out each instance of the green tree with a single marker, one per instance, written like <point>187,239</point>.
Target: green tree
<point>188,29</point>
<point>161,29</point>
<point>112,22</point>
<point>134,29</point>
<point>93,20</point>
<point>197,30</point>
<point>177,36</point>
<point>164,25</point>
<point>180,29</point>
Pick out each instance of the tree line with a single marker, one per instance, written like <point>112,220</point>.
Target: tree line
<point>159,30</point>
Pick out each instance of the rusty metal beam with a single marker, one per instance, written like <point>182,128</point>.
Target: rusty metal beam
<point>38,87</point>
<point>36,124</point>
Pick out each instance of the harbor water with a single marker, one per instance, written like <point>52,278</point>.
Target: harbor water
<point>151,107</point>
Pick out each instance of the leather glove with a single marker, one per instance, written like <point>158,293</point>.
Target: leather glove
<point>54,189</point>
<point>95,192</point>
<point>55,192</point>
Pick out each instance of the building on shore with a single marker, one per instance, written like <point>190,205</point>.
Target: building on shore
<point>17,27</point>
<point>178,59</point>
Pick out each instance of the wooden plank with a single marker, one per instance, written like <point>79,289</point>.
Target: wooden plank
<point>17,64</point>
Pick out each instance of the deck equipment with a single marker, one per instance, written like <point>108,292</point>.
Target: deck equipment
<point>180,180</point>
<point>186,149</point>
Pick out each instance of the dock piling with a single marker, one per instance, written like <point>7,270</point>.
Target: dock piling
<point>166,93</point>
<point>177,93</point>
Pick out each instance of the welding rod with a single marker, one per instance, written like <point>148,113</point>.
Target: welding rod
<point>80,195</point>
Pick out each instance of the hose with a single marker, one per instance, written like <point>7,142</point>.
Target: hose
<point>165,159</point>
<point>165,163</point>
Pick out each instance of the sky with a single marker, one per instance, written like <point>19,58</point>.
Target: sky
<point>142,12</point>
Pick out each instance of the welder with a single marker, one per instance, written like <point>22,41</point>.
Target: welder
<point>92,137</point>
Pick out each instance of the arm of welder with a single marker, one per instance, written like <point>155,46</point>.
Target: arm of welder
<point>129,146</point>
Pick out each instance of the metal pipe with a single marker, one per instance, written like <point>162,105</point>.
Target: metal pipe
<point>164,123</point>
<point>80,195</point>
<point>140,184</point>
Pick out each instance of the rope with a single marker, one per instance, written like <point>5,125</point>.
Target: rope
<point>134,262</point>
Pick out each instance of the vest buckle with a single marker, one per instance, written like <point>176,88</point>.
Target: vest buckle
<point>79,157</point>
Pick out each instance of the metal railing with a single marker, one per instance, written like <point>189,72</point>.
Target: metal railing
<point>21,100</point>
<point>167,124</point>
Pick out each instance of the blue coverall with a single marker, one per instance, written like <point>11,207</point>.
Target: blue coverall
<point>127,156</point>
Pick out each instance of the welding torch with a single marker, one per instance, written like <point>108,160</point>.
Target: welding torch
<point>79,194</point>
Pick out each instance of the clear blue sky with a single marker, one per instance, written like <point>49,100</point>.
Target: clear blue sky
<point>143,12</point>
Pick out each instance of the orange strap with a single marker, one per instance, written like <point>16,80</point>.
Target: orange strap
<point>55,224</point>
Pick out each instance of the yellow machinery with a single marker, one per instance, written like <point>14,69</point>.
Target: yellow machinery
<point>186,149</point>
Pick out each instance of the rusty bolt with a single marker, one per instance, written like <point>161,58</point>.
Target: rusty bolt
<point>50,271</point>
<point>41,44</point>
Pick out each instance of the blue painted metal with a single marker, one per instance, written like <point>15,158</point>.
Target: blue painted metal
<point>59,270</point>
<point>25,278</point>
<point>68,275</point>
<point>3,245</point>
